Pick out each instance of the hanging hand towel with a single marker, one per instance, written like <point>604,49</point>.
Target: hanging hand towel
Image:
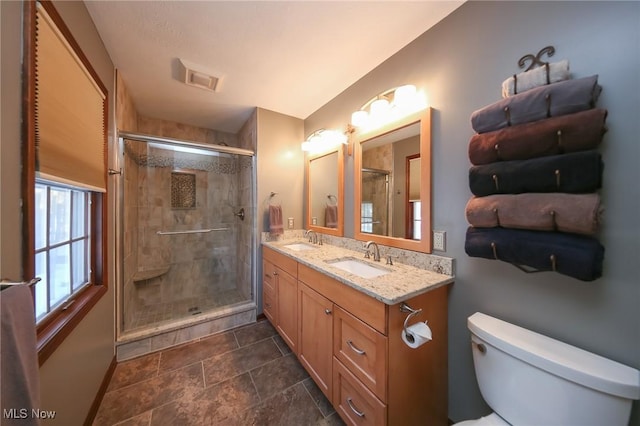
<point>574,213</point>
<point>19,377</point>
<point>541,76</point>
<point>331,216</point>
<point>581,131</point>
<point>276,226</point>
<point>579,173</point>
<point>565,97</point>
<point>574,255</point>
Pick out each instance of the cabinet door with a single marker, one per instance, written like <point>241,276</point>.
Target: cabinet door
<point>287,308</point>
<point>315,336</point>
<point>269,307</point>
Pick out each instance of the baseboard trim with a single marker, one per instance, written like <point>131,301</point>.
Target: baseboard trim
<point>93,411</point>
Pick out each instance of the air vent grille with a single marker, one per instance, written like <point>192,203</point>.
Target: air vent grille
<point>194,75</point>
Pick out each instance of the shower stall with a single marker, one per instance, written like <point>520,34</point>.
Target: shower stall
<point>187,234</point>
<point>375,209</point>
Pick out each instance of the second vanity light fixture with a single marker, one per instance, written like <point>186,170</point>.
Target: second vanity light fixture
<point>324,140</point>
<point>388,106</point>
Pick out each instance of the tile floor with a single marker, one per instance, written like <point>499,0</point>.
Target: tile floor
<point>247,376</point>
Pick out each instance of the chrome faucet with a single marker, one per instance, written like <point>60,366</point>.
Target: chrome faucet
<point>313,237</point>
<point>376,250</point>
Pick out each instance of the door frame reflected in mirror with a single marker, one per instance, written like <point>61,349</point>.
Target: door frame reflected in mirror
<point>339,229</point>
<point>424,244</point>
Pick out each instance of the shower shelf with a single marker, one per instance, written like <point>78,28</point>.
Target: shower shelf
<point>150,273</point>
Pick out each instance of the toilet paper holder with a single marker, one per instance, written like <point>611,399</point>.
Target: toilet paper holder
<point>412,313</point>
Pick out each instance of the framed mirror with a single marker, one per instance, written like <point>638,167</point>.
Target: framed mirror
<point>325,191</point>
<point>392,188</point>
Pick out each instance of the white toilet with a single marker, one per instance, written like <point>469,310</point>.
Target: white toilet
<point>531,379</point>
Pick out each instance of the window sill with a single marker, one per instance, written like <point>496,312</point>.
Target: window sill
<point>54,331</point>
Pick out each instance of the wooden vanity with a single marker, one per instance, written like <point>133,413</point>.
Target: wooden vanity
<point>351,344</point>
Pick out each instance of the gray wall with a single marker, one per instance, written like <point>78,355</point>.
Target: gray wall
<point>71,377</point>
<point>461,63</point>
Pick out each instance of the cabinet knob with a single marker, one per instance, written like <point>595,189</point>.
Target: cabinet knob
<point>275,274</point>
<point>327,311</point>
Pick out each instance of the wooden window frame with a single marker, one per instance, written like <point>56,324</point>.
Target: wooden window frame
<point>52,331</point>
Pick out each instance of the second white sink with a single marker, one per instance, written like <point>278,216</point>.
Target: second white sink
<point>357,267</point>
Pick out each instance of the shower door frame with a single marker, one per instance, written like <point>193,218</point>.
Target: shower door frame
<point>119,224</point>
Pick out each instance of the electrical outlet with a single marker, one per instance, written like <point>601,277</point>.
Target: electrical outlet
<point>314,220</point>
<point>290,223</point>
<point>439,240</point>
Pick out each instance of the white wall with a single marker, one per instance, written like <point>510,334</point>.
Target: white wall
<point>461,63</point>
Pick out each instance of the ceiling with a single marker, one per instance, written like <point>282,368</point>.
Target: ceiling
<point>291,57</point>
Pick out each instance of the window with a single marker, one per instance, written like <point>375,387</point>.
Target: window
<point>366,217</point>
<point>62,245</point>
<point>64,183</point>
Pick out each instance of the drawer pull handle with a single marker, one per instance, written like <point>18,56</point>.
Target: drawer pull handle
<point>356,350</point>
<point>327,311</point>
<point>354,409</point>
<point>267,276</point>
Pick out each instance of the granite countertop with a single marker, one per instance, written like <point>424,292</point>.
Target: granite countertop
<point>402,283</point>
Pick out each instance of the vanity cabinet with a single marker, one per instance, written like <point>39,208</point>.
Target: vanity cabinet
<point>351,345</point>
<point>315,314</point>
<point>282,295</point>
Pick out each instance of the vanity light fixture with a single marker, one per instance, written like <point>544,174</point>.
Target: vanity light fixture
<point>389,106</point>
<point>324,140</point>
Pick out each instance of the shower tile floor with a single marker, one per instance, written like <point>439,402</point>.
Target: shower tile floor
<point>169,311</point>
<point>246,376</point>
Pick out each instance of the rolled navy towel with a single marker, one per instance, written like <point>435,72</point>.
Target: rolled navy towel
<point>576,256</point>
<point>578,173</point>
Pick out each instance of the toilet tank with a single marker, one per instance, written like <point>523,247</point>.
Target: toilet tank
<point>531,379</point>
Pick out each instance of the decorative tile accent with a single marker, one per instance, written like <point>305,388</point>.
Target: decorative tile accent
<point>183,190</point>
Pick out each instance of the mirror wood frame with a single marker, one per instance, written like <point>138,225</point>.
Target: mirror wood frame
<point>339,229</point>
<point>425,243</point>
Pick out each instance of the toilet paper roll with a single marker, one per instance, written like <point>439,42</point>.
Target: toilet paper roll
<point>416,335</point>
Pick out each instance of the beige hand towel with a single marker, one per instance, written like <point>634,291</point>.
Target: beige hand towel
<point>276,226</point>
<point>572,213</point>
<point>558,71</point>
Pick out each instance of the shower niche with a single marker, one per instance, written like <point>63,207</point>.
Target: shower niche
<point>186,257</point>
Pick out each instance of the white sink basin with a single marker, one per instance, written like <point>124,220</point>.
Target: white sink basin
<point>299,246</point>
<point>359,268</point>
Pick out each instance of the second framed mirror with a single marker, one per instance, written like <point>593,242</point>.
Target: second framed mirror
<point>325,191</point>
<point>392,188</point>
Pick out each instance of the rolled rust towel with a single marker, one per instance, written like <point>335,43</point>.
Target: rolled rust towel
<point>580,131</point>
<point>552,100</point>
<point>574,213</point>
<point>578,173</point>
<point>574,255</point>
<point>547,74</point>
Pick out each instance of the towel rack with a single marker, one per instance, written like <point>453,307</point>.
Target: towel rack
<point>332,197</point>
<point>191,231</point>
<point>5,283</point>
<point>528,270</point>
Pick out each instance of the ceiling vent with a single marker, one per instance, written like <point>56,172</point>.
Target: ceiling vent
<point>194,75</point>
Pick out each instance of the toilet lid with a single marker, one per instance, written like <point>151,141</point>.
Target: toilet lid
<point>491,420</point>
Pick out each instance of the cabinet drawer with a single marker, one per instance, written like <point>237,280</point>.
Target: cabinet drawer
<point>356,404</point>
<point>362,350</point>
<point>283,262</point>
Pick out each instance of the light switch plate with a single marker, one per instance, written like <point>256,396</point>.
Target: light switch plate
<point>290,223</point>
<point>439,240</point>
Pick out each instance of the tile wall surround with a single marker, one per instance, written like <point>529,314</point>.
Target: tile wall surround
<point>430,262</point>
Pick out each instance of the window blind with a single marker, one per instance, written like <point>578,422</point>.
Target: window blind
<point>69,113</point>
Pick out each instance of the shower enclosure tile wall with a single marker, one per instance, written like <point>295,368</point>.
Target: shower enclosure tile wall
<point>168,275</point>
